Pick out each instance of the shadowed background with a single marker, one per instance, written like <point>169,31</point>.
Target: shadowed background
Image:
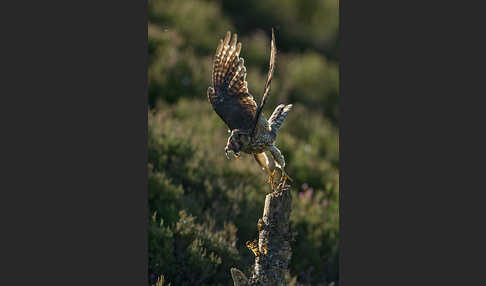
<point>203,208</point>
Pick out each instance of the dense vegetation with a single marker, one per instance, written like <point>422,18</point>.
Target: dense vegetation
<point>203,208</point>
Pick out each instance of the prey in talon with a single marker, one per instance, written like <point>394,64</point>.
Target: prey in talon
<point>250,131</point>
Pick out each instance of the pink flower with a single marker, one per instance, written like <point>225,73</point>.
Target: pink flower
<point>309,193</point>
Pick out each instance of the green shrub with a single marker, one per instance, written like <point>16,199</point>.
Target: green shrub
<point>190,178</point>
<point>202,207</point>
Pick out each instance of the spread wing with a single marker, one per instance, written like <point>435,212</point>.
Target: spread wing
<point>229,94</point>
<point>266,90</point>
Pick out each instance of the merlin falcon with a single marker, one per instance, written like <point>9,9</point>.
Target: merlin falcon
<point>251,132</point>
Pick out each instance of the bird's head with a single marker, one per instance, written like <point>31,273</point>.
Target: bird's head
<point>236,141</point>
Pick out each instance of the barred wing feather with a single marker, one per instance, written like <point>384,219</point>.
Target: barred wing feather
<point>229,94</point>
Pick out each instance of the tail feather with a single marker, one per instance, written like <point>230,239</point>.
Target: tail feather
<point>278,116</point>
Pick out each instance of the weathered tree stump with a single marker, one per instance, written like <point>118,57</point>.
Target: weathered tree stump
<point>272,256</point>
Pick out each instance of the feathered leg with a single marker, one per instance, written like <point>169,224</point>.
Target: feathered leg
<point>280,163</point>
<point>265,164</point>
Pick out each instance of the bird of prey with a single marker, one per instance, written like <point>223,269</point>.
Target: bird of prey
<point>251,132</point>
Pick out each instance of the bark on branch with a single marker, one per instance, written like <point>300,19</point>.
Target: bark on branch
<point>273,251</point>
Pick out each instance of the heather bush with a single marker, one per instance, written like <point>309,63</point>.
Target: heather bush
<point>203,207</point>
<point>188,172</point>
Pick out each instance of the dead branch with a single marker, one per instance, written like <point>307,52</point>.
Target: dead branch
<point>273,252</point>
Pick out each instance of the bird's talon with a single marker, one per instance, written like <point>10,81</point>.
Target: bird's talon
<point>289,178</point>
<point>285,177</point>
<point>271,178</point>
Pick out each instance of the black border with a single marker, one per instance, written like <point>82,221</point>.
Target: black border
<point>74,143</point>
<point>74,108</point>
<point>409,211</point>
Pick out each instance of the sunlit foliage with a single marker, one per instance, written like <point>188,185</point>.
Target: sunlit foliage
<point>202,207</point>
